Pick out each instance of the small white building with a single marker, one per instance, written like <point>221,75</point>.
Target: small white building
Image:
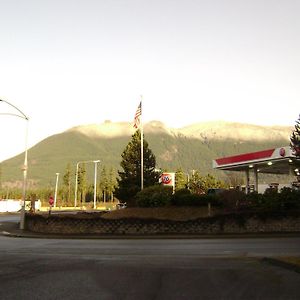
<point>12,205</point>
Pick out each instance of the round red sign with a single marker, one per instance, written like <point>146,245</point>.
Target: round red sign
<point>51,200</point>
<point>282,152</point>
<point>166,178</point>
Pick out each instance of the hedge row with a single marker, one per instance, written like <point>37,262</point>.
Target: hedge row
<point>156,196</point>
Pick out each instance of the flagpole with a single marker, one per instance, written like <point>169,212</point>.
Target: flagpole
<point>142,147</point>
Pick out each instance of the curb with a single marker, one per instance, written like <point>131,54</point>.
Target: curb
<point>17,233</point>
<point>281,263</point>
<point>5,233</point>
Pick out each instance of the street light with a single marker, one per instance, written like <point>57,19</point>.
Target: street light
<point>55,194</point>
<point>95,182</point>
<point>25,166</point>
<point>76,180</point>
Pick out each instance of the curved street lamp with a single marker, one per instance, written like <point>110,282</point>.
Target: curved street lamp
<point>55,193</point>
<point>25,166</point>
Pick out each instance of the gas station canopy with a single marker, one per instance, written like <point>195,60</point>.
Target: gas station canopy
<point>272,161</point>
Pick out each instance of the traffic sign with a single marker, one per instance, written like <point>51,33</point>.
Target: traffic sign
<point>51,200</point>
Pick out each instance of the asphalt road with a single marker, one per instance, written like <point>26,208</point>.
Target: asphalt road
<point>229,268</point>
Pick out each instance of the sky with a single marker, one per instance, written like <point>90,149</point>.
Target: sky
<point>65,63</point>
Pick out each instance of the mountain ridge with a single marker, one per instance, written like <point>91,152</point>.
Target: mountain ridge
<point>113,129</point>
<point>192,147</point>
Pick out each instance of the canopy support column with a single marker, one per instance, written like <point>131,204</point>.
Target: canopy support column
<point>247,181</point>
<point>255,179</point>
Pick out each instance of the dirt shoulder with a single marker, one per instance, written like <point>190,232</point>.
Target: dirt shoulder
<point>160,213</point>
<point>291,263</point>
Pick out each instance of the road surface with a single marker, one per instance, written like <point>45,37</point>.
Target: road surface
<point>229,268</point>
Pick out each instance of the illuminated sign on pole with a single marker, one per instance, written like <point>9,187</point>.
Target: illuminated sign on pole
<point>168,179</point>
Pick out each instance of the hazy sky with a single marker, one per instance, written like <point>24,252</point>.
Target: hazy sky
<point>66,63</point>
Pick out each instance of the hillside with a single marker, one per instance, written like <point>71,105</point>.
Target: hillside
<point>191,147</point>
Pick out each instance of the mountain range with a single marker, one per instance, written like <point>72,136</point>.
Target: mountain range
<point>189,148</point>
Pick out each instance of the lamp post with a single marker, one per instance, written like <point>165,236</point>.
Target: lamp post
<point>76,180</point>
<point>55,194</point>
<point>95,183</point>
<point>25,166</point>
<point>76,184</point>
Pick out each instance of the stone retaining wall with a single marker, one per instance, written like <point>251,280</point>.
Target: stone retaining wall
<point>215,225</point>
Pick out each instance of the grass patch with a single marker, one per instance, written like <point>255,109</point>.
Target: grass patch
<point>295,260</point>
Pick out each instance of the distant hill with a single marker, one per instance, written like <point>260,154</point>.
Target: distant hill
<point>188,148</point>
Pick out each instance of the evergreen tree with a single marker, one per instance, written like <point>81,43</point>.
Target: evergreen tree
<point>180,180</point>
<point>67,182</point>
<point>112,183</point>
<point>82,182</point>
<point>0,178</point>
<point>89,193</point>
<point>107,183</point>
<point>103,183</point>
<point>295,139</point>
<point>129,181</point>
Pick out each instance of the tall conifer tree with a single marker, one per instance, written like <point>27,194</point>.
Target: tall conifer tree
<point>67,182</point>
<point>295,139</point>
<point>129,181</point>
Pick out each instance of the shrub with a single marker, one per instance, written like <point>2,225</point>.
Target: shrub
<point>290,198</point>
<point>182,192</point>
<point>154,196</point>
<point>184,197</point>
<point>232,199</point>
<point>178,198</point>
<point>189,200</point>
<point>271,200</point>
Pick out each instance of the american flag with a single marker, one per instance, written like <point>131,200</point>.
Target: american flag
<point>137,117</point>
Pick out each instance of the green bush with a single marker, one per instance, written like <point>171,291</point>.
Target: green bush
<point>184,197</point>
<point>290,198</point>
<point>271,200</point>
<point>189,200</point>
<point>232,199</point>
<point>179,196</point>
<point>182,192</point>
<point>154,196</point>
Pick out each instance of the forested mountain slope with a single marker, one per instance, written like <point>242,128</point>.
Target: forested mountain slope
<point>189,148</point>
